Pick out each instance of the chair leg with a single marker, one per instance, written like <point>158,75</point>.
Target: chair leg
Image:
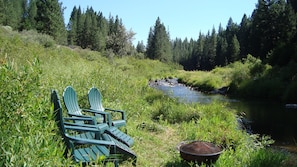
<point>116,163</point>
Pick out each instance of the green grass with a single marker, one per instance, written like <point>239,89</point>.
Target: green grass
<point>249,78</point>
<point>29,136</point>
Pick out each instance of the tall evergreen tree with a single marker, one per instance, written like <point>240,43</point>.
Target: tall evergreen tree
<point>72,27</point>
<point>234,49</point>
<point>32,12</point>
<point>12,12</point>
<point>273,23</point>
<point>209,51</point>
<point>159,43</point>
<point>80,26</point>
<point>213,47</point>
<point>86,32</point>
<point>177,50</point>
<point>243,36</point>
<point>50,19</point>
<point>140,48</point>
<point>102,24</point>
<point>150,44</point>
<point>222,46</point>
<point>199,50</point>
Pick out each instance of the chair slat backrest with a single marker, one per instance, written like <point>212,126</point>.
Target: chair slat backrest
<point>71,101</point>
<point>95,99</point>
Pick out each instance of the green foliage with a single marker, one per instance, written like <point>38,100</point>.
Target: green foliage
<point>31,36</point>
<point>171,111</point>
<point>249,78</point>
<point>207,81</point>
<point>267,157</point>
<point>12,12</point>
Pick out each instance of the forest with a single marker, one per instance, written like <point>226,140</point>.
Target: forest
<point>268,34</point>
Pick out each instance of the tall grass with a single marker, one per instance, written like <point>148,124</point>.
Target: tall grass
<point>29,137</point>
<point>249,78</point>
<point>27,131</point>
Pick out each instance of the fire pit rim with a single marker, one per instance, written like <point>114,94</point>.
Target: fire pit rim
<point>181,144</point>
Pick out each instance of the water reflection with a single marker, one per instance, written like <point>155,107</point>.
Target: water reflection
<point>270,118</point>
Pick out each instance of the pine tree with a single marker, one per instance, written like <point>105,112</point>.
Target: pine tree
<point>213,47</point>
<point>159,47</point>
<point>72,27</point>
<point>209,51</point>
<point>50,20</point>
<point>222,46</point>
<point>199,50</point>
<point>243,36</point>
<point>274,22</point>
<point>80,27</point>
<point>86,32</point>
<point>140,48</point>
<point>32,12</point>
<point>94,39</point>
<point>102,24</point>
<point>150,44</point>
<point>234,49</point>
<point>12,13</point>
<point>177,53</point>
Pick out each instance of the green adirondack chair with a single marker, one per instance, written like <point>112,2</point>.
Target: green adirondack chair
<point>71,103</point>
<point>95,101</point>
<point>93,143</point>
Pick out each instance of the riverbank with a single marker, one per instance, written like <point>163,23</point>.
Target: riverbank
<point>247,119</point>
<point>248,79</point>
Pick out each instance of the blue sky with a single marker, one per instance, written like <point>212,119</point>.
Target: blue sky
<point>181,18</point>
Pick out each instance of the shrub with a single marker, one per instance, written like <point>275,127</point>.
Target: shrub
<point>32,36</point>
<point>267,157</point>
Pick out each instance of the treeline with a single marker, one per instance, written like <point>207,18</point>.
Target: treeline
<point>87,29</point>
<point>44,16</point>
<point>269,34</point>
<point>92,30</point>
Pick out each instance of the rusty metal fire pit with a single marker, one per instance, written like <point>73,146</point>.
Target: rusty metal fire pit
<point>200,152</point>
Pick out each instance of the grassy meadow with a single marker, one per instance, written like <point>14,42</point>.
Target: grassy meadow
<point>31,65</point>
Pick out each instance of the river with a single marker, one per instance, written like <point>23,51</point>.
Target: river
<point>266,117</point>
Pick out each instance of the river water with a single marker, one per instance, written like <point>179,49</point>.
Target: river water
<point>266,117</point>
